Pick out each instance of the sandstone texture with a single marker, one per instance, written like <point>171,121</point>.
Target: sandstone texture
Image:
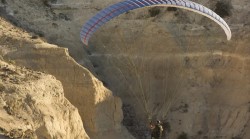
<point>32,105</point>
<point>163,63</point>
<point>100,111</point>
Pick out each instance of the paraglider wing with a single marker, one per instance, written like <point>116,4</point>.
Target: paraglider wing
<point>119,8</point>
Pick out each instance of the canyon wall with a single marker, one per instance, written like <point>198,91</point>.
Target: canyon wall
<point>100,111</point>
<point>170,52</point>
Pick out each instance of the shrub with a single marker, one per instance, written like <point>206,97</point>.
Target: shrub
<point>183,135</point>
<point>236,137</point>
<point>199,132</point>
<point>172,9</point>
<point>3,2</point>
<point>166,126</point>
<point>223,8</point>
<point>154,11</point>
<point>2,88</point>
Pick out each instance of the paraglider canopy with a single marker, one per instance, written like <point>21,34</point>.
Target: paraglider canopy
<point>115,10</point>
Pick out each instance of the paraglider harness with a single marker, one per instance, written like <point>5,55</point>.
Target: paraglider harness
<point>157,130</point>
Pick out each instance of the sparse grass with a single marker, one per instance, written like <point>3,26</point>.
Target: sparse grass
<point>183,135</point>
<point>12,62</point>
<point>3,2</point>
<point>166,126</point>
<point>223,8</point>
<point>1,130</point>
<point>64,17</point>
<point>199,132</point>
<point>249,107</point>
<point>154,11</point>
<point>2,88</point>
<point>236,137</point>
<point>172,9</point>
<point>1,54</point>
<point>34,37</point>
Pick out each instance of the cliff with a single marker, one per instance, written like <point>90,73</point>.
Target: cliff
<point>100,111</point>
<point>32,105</point>
<point>167,63</point>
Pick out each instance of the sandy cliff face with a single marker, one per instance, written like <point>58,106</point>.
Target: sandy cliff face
<point>33,106</point>
<point>100,111</point>
<point>175,51</point>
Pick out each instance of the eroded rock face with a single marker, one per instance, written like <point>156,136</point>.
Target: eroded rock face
<point>211,91</point>
<point>214,71</point>
<point>32,105</point>
<point>100,111</point>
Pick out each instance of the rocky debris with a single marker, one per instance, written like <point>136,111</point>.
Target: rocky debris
<point>32,105</point>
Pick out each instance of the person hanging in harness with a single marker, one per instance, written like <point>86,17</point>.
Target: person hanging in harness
<point>156,130</point>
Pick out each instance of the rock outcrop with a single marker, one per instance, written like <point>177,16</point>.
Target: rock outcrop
<point>100,111</point>
<point>177,51</point>
<point>32,105</point>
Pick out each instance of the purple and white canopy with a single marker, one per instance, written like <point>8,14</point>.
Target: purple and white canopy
<point>119,8</point>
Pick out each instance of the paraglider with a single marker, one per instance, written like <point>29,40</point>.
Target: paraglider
<point>141,87</point>
<point>115,10</point>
